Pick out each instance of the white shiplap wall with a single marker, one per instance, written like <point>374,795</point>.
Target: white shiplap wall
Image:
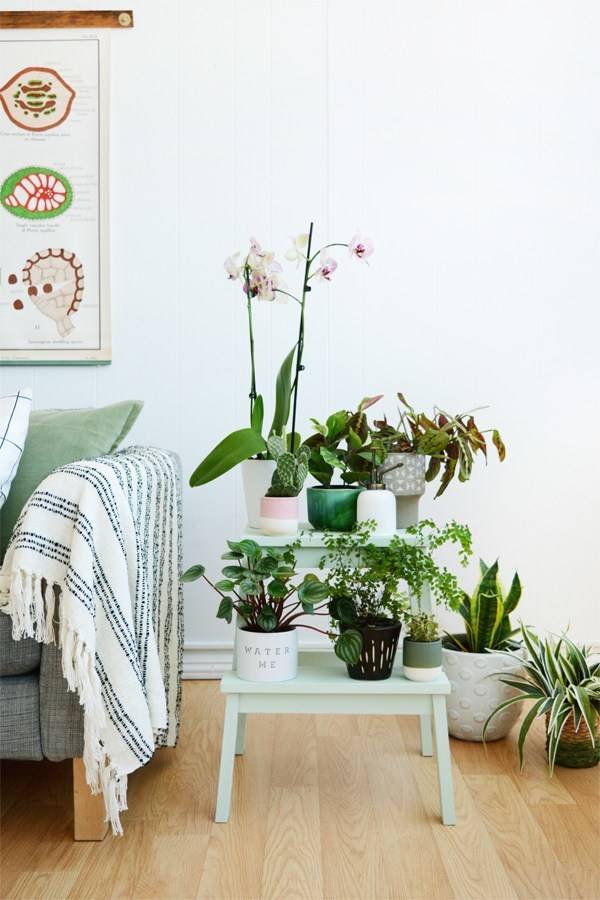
<point>464,137</point>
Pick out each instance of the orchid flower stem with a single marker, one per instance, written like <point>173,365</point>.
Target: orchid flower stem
<point>300,344</point>
<point>279,291</point>
<point>326,247</point>
<point>251,336</point>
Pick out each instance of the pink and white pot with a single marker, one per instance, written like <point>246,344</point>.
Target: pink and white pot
<point>279,515</point>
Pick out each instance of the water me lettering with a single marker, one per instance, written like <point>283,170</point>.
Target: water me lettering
<point>267,664</point>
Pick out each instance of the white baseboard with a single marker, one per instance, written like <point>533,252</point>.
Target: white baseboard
<point>212,659</point>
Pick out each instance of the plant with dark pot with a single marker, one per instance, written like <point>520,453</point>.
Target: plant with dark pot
<point>450,442</point>
<point>370,587</point>
<point>279,506</point>
<point>341,446</point>
<point>563,684</point>
<point>422,648</point>
<point>260,584</point>
<point>471,659</point>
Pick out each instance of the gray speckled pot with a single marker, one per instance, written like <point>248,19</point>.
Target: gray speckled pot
<point>474,694</point>
<point>408,480</point>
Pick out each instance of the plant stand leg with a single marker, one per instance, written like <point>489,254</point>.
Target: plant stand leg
<point>444,761</point>
<point>240,741</point>
<point>426,744</point>
<point>230,727</point>
<point>88,808</point>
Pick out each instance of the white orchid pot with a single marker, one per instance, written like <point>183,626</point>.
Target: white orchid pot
<point>267,656</point>
<point>404,475</point>
<point>476,692</point>
<point>256,477</point>
<point>279,515</point>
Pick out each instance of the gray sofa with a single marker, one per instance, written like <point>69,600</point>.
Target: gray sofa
<point>39,717</point>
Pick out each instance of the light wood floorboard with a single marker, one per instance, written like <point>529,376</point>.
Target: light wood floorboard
<point>322,808</point>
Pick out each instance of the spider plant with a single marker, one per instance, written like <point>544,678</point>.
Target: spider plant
<point>562,683</point>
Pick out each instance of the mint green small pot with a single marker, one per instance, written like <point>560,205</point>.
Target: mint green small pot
<point>332,508</point>
<point>422,660</point>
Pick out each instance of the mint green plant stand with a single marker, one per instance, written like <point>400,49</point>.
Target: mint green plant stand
<point>323,686</point>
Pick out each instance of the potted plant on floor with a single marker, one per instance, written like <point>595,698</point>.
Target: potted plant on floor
<point>422,648</point>
<point>260,585</point>
<point>279,506</point>
<point>449,442</point>
<point>563,683</point>
<point>472,659</point>
<point>370,587</point>
<point>339,447</point>
<point>260,278</point>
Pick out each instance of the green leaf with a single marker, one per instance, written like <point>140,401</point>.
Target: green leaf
<point>235,546</point>
<point>225,585</point>
<point>193,573</point>
<point>486,610</point>
<point>249,548</point>
<point>277,589</point>
<point>483,567</point>
<point>267,620</point>
<point>236,573</point>
<point>514,595</point>
<point>225,609</point>
<point>348,646</point>
<point>345,611</point>
<point>283,393</point>
<point>258,415</point>
<point>312,591</point>
<point>499,445</point>
<point>233,554</point>
<point>249,585</point>
<point>332,459</point>
<point>588,712</point>
<point>504,705</point>
<point>232,450</point>
<point>335,425</point>
<point>266,565</point>
<point>433,469</point>
<point>296,438</point>
<point>524,730</point>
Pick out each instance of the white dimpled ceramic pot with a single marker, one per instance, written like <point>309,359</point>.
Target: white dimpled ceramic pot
<point>476,691</point>
<point>267,656</point>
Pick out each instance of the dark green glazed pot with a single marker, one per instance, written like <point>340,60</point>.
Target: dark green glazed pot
<point>332,508</point>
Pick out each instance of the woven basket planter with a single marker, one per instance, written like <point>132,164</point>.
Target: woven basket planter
<point>575,750</point>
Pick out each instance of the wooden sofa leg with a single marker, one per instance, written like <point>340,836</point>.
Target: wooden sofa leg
<point>88,808</point>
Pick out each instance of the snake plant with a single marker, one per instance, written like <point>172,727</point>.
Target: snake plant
<point>560,681</point>
<point>486,614</point>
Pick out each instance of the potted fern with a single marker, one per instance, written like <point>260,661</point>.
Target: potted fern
<point>422,648</point>
<point>563,684</point>
<point>473,658</point>
<point>279,507</point>
<point>260,585</point>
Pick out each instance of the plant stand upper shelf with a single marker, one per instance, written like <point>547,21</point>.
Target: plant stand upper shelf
<point>322,686</point>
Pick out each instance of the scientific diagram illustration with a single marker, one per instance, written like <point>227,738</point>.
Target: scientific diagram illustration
<point>36,193</point>
<point>37,99</point>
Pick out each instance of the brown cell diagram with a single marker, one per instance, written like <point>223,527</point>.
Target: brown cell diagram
<point>54,281</point>
<point>37,98</point>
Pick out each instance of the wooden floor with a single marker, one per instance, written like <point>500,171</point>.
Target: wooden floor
<point>334,807</point>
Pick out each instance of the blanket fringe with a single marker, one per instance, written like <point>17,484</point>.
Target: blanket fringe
<point>32,610</point>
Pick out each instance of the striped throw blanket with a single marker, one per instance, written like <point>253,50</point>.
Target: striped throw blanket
<point>93,565</point>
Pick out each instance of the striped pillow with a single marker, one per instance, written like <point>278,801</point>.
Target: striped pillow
<point>14,420</point>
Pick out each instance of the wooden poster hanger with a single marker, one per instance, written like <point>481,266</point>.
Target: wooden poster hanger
<point>88,18</point>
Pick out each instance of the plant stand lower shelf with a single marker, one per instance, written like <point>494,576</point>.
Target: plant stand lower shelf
<point>322,686</point>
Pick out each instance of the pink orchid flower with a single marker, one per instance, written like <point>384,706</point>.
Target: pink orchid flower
<point>326,269</point>
<point>361,247</point>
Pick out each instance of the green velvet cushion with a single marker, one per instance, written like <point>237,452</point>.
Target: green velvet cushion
<point>60,436</point>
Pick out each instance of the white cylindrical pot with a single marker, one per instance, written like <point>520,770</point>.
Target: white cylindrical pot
<point>267,656</point>
<point>476,692</point>
<point>380,506</point>
<point>256,477</point>
<point>279,515</point>
<point>407,479</point>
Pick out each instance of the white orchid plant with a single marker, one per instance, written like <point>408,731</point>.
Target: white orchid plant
<point>261,278</point>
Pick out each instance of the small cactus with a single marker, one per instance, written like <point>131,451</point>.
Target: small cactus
<point>292,468</point>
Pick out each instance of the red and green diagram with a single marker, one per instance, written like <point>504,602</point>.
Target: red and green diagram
<point>36,193</point>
